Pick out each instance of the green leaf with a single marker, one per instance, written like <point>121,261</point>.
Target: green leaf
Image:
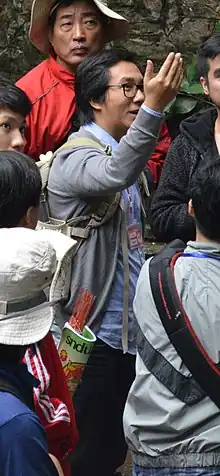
<point>183,105</point>
<point>192,71</point>
<point>217,27</point>
<point>192,89</point>
<point>184,85</point>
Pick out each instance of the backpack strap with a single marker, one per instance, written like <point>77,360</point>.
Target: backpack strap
<point>105,210</point>
<point>177,324</point>
<point>81,142</point>
<point>184,388</point>
<point>101,215</point>
<point>9,387</point>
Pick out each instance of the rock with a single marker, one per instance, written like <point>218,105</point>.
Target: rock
<point>157,26</point>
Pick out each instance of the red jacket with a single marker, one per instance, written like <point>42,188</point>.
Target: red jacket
<point>156,161</point>
<point>50,88</point>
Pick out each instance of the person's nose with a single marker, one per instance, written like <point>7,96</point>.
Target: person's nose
<point>17,141</point>
<point>78,32</point>
<point>139,97</point>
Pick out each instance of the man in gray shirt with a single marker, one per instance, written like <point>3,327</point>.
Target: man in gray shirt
<point>121,113</point>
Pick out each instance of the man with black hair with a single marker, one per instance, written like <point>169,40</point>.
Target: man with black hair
<point>14,108</point>
<point>121,114</point>
<point>67,31</point>
<point>166,434</point>
<point>199,141</point>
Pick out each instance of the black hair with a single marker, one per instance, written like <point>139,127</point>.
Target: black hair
<point>92,79</point>
<point>12,97</point>
<point>20,187</point>
<point>207,50</point>
<point>205,195</point>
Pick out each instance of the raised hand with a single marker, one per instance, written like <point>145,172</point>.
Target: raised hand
<point>161,88</point>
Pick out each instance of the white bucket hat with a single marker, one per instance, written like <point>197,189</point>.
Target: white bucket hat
<point>40,14</point>
<point>30,262</point>
<point>27,266</point>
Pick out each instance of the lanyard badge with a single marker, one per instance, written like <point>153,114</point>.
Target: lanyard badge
<point>134,231</point>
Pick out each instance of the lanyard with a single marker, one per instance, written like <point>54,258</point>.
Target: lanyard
<point>200,254</point>
<point>130,202</point>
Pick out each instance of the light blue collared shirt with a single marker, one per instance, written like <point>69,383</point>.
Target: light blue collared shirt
<point>111,327</point>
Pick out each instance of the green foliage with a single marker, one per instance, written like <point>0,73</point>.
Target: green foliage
<point>191,97</point>
<point>217,27</point>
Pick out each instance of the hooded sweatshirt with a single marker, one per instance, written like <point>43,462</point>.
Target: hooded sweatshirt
<point>195,145</point>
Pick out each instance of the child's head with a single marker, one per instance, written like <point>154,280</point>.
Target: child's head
<point>205,200</point>
<point>14,107</point>
<point>20,189</point>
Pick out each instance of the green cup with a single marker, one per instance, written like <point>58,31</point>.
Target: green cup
<point>74,351</point>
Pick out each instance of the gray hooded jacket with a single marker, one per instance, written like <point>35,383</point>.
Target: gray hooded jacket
<point>84,176</point>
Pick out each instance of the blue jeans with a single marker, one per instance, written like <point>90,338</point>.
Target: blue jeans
<point>208,471</point>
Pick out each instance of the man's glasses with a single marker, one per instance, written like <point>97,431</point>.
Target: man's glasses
<point>129,89</point>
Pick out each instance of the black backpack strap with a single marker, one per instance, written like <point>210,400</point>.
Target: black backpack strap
<point>184,388</point>
<point>9,387</point>
<point>177,324</point>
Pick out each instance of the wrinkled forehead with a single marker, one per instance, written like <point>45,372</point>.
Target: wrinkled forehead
<point>125,71</point>
<point>76,8</point>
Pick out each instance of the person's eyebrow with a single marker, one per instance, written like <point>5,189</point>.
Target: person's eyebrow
<point>127,79</point>
<point>8,117</point>
<point>67,16</point>
<point>89,14</point>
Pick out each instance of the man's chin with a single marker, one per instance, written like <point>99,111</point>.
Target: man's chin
<point>73,62</point>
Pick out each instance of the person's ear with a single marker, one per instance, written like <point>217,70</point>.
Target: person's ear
<point>205,86</point>
<point>31,218</point>
<point>191,209</point>
<point>96,105</point>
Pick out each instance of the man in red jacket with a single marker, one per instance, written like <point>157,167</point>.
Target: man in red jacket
<point>67,31</point>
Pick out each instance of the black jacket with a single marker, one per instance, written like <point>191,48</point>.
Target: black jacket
<point>169,209</point>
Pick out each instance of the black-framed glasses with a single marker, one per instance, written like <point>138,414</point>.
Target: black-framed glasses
<point>129,89</point>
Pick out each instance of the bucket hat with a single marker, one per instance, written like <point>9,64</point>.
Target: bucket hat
<point>40,14</point>
<point>27,267</point>
<point>35,275</point>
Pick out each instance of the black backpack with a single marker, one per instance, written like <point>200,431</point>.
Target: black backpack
<point>177,324</point>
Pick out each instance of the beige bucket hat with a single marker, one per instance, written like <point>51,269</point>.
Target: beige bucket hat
<point>40,13</point>
<point>35,276</point>
<point>27,266</point>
